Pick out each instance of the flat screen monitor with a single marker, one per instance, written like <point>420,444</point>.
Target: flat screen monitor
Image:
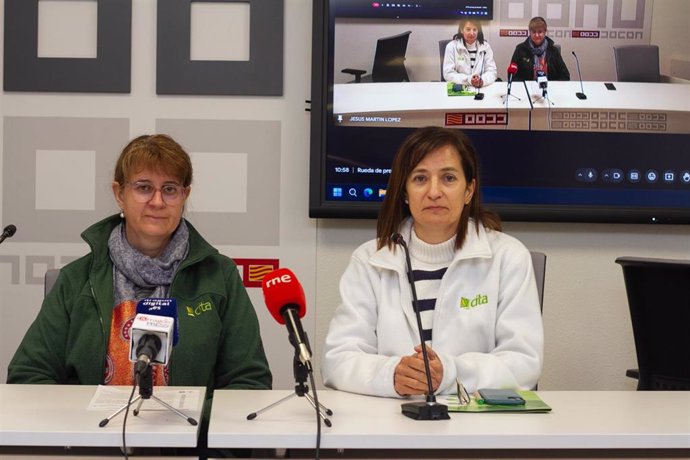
<point>621,155</point>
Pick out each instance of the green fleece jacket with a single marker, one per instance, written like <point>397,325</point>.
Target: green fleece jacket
<point>219,341</point>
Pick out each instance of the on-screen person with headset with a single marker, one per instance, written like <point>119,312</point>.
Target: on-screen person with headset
<point>469,59</point>
<point>538,53</point>
<point>481,317</point>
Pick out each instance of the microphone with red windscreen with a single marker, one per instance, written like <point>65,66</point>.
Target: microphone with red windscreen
<point>284,298</point>
<point>512,70</point>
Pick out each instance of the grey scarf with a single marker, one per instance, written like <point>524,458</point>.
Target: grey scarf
<point>135,275</point>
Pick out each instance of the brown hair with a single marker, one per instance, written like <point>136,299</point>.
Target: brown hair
<point>412,151</point>
<point>537,21</point>
<point>480,32</point>
<point>158,152</point>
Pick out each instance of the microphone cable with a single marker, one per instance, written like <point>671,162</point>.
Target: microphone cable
<point>124,420</point>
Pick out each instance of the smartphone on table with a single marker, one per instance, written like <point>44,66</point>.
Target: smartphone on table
<point>501,397</point>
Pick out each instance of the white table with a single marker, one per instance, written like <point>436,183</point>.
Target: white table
<point>660,108</point>
<point>600,420</point>
<point>57,415</point>
<point>420,104</point>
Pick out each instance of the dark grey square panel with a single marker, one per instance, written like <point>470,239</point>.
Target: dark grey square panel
<point>109,72</point>
<point>261,75</point>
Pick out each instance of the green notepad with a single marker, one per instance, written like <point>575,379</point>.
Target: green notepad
<point>465,91</point>
<point>532,404</point>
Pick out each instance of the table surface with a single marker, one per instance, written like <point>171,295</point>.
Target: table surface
<point>579,419</point>
<point>636,107</point>
<point>57,415</point>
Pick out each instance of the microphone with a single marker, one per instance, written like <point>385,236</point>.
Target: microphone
<point>147,349</point>
<point>542,81</point>
<point>580,95</point>
<point>161,307</point>
<point>479,96</point>
<point>284,298</point>
<point>8,232</point>
<point>430,409</point>
<point>512,70</point>
<point>152,332</point>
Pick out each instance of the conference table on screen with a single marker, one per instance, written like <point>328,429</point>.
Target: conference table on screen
<point>630,107</point>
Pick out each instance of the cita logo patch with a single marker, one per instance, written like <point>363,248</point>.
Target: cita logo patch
<point>478,300</point>
<point>199,309</point>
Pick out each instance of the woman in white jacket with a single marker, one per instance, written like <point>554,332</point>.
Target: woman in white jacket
<point>469,60</point>
<point>481,317</point>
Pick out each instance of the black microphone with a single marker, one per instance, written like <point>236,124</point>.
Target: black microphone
<point>479,96</point>
<point>148,347</point>
<point>582,94</point>
<point>512,70</point>
<point>543,82</point>
<point>430,409</point>
<point>8,232</point>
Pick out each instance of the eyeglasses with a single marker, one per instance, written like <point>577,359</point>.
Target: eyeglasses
<point>144,192</point>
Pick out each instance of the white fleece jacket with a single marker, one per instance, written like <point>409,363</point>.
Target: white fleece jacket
<point>487,327</point>
<point>457,64</point>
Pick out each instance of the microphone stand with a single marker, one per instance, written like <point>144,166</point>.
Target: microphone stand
<point>479,96</point>
<point>429,409</point>
<point>145,381</point>
<point>581,94</point>
<point>508,95</point>
<point>301,372</point>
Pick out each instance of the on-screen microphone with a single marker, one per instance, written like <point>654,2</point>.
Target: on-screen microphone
<point>512,70</point>
<point>430,409</point>
<point>479,96</point>
<point>542,80</point>
<point>8,232</point>
<point>153,331</point>
<point>581,94</point>
<point>285,301</point>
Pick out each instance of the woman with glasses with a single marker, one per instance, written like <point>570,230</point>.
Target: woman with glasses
<point>539,54</point>
<point>148,250</point>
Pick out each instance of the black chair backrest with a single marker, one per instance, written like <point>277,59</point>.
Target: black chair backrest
<point>442,53</point>
<point>389,60</point>
<point>658,293</point>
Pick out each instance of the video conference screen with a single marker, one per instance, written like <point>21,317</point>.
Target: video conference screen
<point>620,154</point>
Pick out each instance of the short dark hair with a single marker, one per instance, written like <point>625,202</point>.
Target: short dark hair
<point>413,150</point>
<point>158,152</point>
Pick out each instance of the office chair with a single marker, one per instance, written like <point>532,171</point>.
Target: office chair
<point>658,293</point>
<point>49,280</point>
<point>637,63</point>
<point>442,53</point>
<point>389,61</point>
<point>539,264</point>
